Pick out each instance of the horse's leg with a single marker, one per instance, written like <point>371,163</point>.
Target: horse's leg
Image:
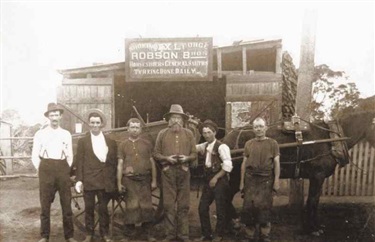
<point>315,190</point>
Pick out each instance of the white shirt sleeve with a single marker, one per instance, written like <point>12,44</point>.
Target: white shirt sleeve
<point>224,152</point>
<point>201,148</point>
<point>36,150</point>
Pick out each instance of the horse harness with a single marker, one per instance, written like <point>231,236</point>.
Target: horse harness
<point>339,149</point>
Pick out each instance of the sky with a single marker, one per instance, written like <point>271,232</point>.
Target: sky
<point>40,37</point>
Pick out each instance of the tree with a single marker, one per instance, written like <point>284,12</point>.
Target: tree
<point>11,116</point>
<point>19,129</point>
<point>333,94</point>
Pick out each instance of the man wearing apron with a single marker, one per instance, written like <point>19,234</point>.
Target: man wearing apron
<point>260,173</point>
<point>136,174</point>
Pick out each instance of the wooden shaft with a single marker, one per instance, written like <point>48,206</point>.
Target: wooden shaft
<point>295,144</point>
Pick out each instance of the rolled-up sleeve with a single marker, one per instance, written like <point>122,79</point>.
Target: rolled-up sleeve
<point>201,148</point>
<point>224,152</point>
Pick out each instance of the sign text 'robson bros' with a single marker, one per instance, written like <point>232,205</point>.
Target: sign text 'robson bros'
<point>185,59</point>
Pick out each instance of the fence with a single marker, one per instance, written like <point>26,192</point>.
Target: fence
<point>356,178</point>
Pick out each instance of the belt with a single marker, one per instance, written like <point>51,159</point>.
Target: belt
<point>42,158</point>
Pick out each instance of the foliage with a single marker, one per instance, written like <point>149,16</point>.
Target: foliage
<point>24,146</point>
<point>19,129</point>
<point>11,116</point>
<point>333,94</point>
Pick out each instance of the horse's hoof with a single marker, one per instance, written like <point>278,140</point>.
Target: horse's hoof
<point>315,233</point>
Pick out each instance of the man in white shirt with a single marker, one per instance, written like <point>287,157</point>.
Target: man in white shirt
<point>52,156</point>
<point>218,163</point>
<point>96,162</point>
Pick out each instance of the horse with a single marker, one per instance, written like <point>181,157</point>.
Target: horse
<point>316,160</point>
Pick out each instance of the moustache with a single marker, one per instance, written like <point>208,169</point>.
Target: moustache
<point>175,123</point>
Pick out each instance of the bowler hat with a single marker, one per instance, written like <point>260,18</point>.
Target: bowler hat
<point>53,107</point>
<point>176,109</point>
<point>99,113</point>
<point>208,124</point>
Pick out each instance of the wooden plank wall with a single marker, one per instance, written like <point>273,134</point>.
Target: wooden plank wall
<point>83,94</point>
<point>262,89</point>
<point>355,179</point>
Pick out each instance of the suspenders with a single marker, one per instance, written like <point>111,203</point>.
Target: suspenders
<point>63,155</point>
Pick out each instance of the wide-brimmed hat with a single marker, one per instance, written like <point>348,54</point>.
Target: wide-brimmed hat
<point>176,109</point>
<point>98,112</point>
<point>53,107</point>
<point>208,124</point>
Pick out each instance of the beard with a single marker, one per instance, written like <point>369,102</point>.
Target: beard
<point>175,127</point>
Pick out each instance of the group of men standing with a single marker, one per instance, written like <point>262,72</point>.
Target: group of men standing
<point>103,169</point>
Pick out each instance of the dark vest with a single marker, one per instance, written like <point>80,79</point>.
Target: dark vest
<point>215,160</point>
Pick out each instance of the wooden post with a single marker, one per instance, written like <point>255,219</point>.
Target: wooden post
<point>347,175</point>
<point>365,169</point>
<point>370,187</point>
<point>278,69</point>
<point>113,113</point>
<point>306,67</point>
<point>244,61</point>
<point>219,66</point>
<point>359,170</point>
<point>296,192</point>
<point>6,147</point>
<point>228,117</point>
<point>303,99</point>
<point>353,170</point>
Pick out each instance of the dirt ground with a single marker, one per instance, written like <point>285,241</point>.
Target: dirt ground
<point>344,218</point>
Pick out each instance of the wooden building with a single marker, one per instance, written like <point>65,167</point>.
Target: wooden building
<point>246,81</point>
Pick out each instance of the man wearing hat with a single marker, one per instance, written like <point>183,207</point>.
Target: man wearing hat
<point>136,174</point>
<point>52,156</point>
<point>217,165</point>
<point>174,150</point>
<point>96,161</point>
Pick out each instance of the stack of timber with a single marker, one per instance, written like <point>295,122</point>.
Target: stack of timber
<point>289,92</point>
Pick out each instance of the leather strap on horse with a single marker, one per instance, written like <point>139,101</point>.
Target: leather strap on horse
<point>340,149</point>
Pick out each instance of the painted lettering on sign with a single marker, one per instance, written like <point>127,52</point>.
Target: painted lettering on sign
<point>169,59</point>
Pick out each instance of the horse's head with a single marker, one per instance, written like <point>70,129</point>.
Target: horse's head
<point>358,126</point>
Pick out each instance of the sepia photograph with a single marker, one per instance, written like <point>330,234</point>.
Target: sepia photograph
<point>248,121</point>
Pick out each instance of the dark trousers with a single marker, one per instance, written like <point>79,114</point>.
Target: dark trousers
<point>103,199</point>
<point>234,184</point>
<point>176,193</point>
<point>220,194</point>
<point>53,177</point>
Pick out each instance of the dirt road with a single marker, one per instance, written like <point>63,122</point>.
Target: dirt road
<point>345,219</point>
